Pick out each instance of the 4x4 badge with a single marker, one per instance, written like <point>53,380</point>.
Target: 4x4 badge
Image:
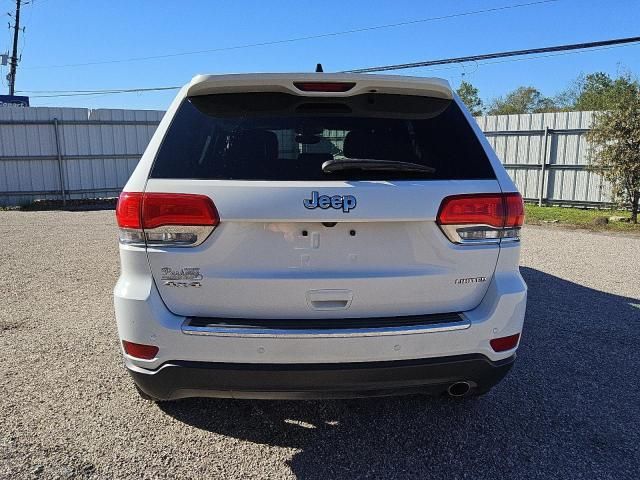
<point>344,202</point>
<point>185,273</point>
<point>181,277</point>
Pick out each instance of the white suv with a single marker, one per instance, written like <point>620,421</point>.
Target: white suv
<point>318,236</point>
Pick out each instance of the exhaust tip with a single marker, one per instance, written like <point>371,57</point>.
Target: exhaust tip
<point>459,389</point>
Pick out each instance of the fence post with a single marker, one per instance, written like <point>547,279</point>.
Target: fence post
<point>543,163</point>
<point>60,164</point>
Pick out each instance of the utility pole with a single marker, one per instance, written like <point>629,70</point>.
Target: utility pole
<point>13,60</point>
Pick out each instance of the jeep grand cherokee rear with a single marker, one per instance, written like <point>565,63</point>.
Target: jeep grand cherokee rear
<point>315,236</point>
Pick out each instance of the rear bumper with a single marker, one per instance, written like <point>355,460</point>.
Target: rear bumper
<point>181,379</point>
<point>143,318</point>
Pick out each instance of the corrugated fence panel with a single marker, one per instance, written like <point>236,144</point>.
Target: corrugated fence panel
<point>94,156</point>
<point>98,149</point>
<point>27,153</point>
<point>519,142</point>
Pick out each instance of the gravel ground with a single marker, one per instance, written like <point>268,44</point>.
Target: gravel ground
<point>570,408</point>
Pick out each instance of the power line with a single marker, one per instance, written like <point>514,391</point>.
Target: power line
<point>299,39</point>
<point>489,56</point>
<point>82,93</point>
<point>533,57</point>
<point>28,22</point>
<point>529,54</point>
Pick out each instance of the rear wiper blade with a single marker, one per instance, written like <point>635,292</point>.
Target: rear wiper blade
<point>331,166</point>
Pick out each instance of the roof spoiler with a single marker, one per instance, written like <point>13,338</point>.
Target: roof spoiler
<point>285,83</point>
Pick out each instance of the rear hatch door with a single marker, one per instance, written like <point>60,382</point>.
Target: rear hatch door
<point>297,242</point>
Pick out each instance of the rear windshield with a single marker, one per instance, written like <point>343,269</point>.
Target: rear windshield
<point>278,136</point>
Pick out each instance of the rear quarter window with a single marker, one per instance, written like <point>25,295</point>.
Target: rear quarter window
<point>277,136</point>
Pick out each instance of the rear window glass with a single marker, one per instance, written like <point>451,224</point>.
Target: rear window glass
<point>278,136</point>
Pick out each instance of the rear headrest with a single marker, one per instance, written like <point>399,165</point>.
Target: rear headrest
<point>258,145</point>
<point>379,144</point>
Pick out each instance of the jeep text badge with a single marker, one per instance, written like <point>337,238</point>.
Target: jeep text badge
<point>344,202</point>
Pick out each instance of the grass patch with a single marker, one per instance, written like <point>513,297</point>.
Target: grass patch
<point>580,218</point>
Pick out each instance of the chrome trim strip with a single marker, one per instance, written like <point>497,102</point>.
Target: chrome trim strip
<point>202,232</point>
<point>451,232</point>
<point>187,329</point>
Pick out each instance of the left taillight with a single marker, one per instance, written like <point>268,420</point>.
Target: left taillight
<point>165,219</point>
<point>177,219</point>
<point>481,218</point>
<point>128,215</point>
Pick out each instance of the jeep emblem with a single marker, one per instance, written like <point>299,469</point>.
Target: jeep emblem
<point>344,202</point>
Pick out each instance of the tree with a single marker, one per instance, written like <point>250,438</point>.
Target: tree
<point>595,91</point>
<point>522,100</point>
<point>615,145</point>
<point>470,97</point>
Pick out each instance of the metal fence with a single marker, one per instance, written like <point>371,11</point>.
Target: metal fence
<point>69,153</point>
<point>546,154</point>
<point>73,153</point>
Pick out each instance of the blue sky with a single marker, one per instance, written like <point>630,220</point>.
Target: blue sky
<point>61,32</point>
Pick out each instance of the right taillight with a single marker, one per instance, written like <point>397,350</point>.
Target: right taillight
<point>515,216</point>
<point>481,218</point>
<point>165,219</point>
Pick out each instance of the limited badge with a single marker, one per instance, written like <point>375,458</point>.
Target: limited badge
<point>464,281</point>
